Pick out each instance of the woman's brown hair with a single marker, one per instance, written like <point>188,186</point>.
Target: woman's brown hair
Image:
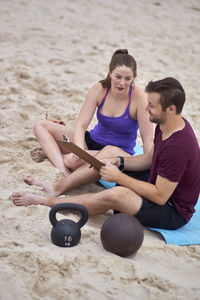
<point>121,57</point>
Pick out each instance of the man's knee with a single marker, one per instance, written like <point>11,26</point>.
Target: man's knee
<point>124,200</point>
<point>116,194</point>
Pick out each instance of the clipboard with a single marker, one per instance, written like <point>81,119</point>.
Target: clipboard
<point>97,164</point>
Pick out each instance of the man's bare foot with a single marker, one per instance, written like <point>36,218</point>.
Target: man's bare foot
<point>47,187</point>
<point>38,155</point>
<point>26,199</point>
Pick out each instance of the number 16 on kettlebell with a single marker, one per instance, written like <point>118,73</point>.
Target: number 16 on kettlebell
<point>67,233</point>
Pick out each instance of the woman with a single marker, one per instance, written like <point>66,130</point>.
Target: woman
<point>120,111</point>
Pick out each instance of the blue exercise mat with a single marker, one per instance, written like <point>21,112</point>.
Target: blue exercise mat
<point>187,235</point>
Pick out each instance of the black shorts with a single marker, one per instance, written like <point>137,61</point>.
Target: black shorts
<point>159,216</point>
<point>155,215</point>
<point>91,144</point>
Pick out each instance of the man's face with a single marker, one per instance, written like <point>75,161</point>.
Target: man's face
<point>154,108</point>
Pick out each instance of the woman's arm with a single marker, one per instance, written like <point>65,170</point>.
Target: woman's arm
<point>145,126</point>
<point>86,113</point>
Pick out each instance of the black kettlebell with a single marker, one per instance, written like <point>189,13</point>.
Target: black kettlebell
<point>67,233</point>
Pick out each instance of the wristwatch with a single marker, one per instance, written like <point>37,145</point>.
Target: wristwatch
<point>121,166</point>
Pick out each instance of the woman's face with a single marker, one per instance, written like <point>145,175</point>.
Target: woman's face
<point>121,79</point>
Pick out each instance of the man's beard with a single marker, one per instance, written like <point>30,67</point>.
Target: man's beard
<point>156,120</point>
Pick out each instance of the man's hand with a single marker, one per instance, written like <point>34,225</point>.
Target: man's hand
<point>110,173</point>
<point>113,161</point>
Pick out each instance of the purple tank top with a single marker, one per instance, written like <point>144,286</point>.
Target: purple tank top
<point>116,131</point>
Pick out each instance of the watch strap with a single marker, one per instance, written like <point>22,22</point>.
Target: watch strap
<point>121,166</point>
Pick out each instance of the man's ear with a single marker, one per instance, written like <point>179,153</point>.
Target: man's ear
<point>172,108</point>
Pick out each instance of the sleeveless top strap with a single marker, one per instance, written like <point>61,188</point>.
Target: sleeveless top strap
<point>129,101</point>
<point>104,98</point>
<point>130,93</point>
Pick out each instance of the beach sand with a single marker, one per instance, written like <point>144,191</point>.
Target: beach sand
<point>51,52</point>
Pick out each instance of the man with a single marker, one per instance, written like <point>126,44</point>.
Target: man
<point>167,200</point>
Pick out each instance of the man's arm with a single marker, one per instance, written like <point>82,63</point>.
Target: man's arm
<point>138,162</point>
<point>131,163</point>
<point>158,193</point>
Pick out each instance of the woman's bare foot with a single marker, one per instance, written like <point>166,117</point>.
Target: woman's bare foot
<point>38,155</point>
<point>47,187</point>
<point>26,199</point>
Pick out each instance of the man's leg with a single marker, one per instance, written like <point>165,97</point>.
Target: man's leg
<point>82,176</point>
<point>118,198</point>
<point>140,175</point>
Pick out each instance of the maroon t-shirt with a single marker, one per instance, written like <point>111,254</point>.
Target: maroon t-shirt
<point>178,159</point>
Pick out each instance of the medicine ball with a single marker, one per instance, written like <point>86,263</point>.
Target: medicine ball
<point>122,234</point>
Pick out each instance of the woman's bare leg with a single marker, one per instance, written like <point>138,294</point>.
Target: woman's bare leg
<point>47,133</point>
<point>73,162</point>
<point>82,176</point>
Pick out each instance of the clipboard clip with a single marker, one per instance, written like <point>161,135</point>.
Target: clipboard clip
<point>65,138</point>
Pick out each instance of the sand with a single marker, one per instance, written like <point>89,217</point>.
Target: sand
<point>51,52</point>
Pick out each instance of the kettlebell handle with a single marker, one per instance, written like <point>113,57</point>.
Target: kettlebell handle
<point>68,206</point>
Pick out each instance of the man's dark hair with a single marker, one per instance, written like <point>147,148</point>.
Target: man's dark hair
<point>171,92</point>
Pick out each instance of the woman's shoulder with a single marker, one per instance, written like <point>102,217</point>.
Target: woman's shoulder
<point>139,95</point>
<point>97,91</point>
<point>138,91</point>
<point>98,87</point>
